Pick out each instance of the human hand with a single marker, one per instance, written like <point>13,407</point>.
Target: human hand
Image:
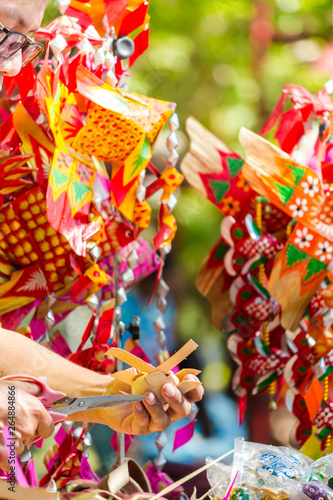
<point>30,417</point>
<point>150,415</point>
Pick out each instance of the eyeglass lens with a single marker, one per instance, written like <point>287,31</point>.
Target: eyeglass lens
<point>30,53</point>
<point>11,44</point>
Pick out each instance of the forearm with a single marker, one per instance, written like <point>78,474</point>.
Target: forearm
<point>21,355</point>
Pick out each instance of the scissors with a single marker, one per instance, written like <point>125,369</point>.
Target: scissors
<point>68,405</point>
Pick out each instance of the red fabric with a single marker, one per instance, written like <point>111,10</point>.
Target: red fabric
<point>241,408</point>
<point>68,74</point>
<point>161,236</point>
<point>114,9</point>
<point>25,81</point>
<point>158,277</point>
<point>275,114</point>
<point>8,136</point>
<point>141,43</point>
<point>84,19</point>
<point>154,187</point>
<point>319,104</point>
<point>290,129</point>
<point>153,169</point>
<point>104,326</point>
<point>79,287</point>
<point>87,331</point>
<point>133,20</point>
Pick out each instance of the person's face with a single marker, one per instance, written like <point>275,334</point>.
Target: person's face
<point>19,15</point>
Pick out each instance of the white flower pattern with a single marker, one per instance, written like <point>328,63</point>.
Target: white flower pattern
<point>36,282</point>
<point>303,237</point>
<point>325,251</point>
<point>311,187</point>
<point>299,208</point>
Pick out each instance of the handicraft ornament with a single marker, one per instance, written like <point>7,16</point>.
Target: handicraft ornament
<point>268,278</point>
<point>74,149</point>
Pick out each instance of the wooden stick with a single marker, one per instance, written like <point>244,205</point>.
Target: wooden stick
<point>188,477</point>
<point>213,488</point>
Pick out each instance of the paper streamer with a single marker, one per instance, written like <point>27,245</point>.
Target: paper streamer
<point>183,435</point>
<point>231,485</point>
<point>128,440</point>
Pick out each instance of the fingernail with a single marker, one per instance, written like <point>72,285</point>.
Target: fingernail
<point>191,377</point>
<point>169,390</point>
<point>151,398</point>
<point>139,406</point>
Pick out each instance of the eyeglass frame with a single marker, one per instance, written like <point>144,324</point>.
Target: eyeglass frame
<point>27,41</point>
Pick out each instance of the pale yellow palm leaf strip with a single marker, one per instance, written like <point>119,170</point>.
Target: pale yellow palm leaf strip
<point>128,377</point>
<point>176,358</point>
<point>21,493</point>
<point>131,360</point>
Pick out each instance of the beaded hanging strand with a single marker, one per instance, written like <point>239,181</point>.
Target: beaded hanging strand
<point>325,398</point>
<point>265,331</point>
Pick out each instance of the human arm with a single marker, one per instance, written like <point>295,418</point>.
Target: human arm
<point>21,355</point>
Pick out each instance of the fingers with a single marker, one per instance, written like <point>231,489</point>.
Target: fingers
<point>195,394</point>
<point>179,406</point>
<point>20,447</point>
<point>32,418</point>
<point>149,416</point>
<point>45,427</point>
<point>141,419</point>
<point>27,418</point>
<point>29,387</point>
<point>3,458</point>
<point>40,423</point>
<point>160,420</point>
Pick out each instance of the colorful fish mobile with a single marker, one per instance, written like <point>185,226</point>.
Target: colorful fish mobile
<point>124,16</point>
<point>268,278</point>
<point>75,145</point>
<point>125,124</point>
<point>74,151</point>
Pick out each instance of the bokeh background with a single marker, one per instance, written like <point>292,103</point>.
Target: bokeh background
<point>225,62</point>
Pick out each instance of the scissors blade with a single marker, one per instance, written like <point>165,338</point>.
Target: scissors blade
<point>94,402</point>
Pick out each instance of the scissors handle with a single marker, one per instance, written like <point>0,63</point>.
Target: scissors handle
<point>47,395</point>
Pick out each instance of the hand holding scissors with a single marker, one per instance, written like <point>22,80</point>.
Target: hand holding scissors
<point>59,405</point>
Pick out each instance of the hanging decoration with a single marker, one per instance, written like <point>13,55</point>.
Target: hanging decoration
<point>75,145</point>
<point>268,278</point>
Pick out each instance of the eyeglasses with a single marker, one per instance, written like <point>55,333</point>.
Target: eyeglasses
<point>13,41</point>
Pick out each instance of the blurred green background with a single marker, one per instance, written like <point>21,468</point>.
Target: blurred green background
<point>226,61</point>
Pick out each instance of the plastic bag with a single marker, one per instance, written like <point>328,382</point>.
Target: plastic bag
<point>263,472</point>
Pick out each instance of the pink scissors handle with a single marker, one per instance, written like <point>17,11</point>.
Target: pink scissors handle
<point>47,395</point>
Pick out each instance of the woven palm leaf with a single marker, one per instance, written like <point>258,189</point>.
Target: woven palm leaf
<point>204,156</point>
